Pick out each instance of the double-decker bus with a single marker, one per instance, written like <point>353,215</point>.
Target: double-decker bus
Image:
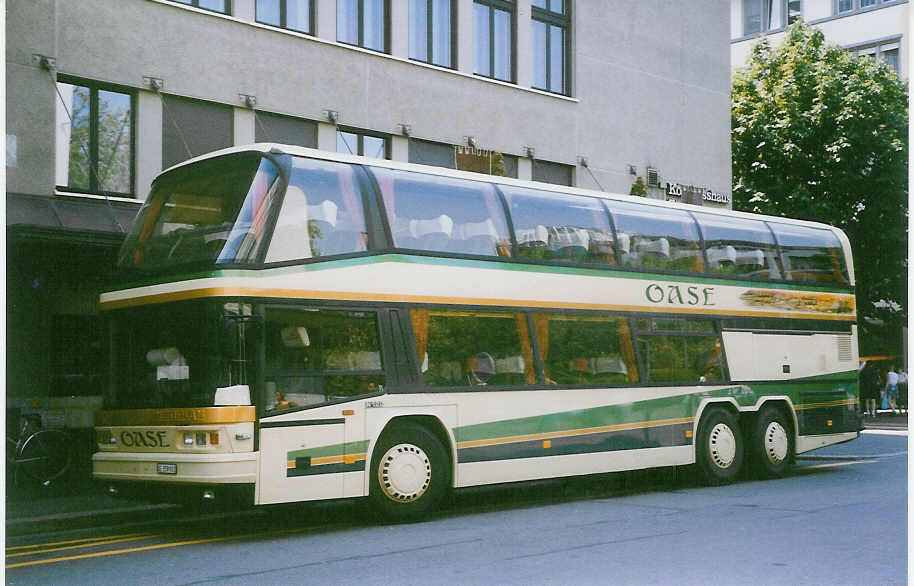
<point>298,325</point>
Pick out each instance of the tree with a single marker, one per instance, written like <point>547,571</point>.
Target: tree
<point>820,134</point>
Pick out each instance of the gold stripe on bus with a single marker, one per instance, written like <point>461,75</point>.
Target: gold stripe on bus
<point>347,459</point>
<point>838,403</point>
<point>177,416</point>
<point>571,433</point>
<point>209,292</point>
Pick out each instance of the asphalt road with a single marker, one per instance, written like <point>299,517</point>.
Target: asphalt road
<point>838,518</point>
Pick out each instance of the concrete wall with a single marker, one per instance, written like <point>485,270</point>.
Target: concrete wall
<point>651,83</point>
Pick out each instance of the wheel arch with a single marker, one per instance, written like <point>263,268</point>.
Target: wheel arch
<point>430,422</point>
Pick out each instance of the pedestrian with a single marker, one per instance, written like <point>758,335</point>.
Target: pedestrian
<point>891,389</point>
<point>869,389</point>
<point>902,390</point>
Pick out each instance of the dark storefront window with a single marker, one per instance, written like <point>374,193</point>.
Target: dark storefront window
<point>285,130</point>
<point>191,128</point>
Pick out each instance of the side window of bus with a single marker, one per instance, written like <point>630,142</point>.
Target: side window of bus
<point>739,246</point>
<point>321,212</point>
<point>441,214</point>
<point>559,227</point>
<point>679,350</point>
<point>656,238</point>
<point>580,349</point>
<point>314,355</point>
<point>473,348</point>
<point>810,254</point>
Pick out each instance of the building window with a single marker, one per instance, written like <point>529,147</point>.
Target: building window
<point>550,31</point>
<point>556,173</point>
<point>767,15</point>
<point>294,15</point>
<point>363,23</point>
<point>494,39</point>
<point>95,138</point>
<point>221,6</point>
<point>843,6</point>
<point>191,128</point>
<point>357,142</point>
<point>431,36</point>
<point>437,154</point>
<point>285,130</point>
<point>886,53</point>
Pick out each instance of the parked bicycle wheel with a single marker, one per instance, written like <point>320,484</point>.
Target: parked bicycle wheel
<point>45,455</point>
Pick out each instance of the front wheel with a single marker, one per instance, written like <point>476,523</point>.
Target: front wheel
<point>772,443</point>
<point>719,446</point>
<point>45,456</point>
<point>410,474</point>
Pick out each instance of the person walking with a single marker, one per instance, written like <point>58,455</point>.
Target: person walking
<point>869,389</point>
<point>891,389</point>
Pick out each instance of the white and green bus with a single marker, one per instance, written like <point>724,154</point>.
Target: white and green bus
<point>297,325</point>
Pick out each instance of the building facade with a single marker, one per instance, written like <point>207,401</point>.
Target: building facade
<point>876,28</point>
<point>102,95</point>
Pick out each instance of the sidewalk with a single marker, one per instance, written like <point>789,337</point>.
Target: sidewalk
<point>79,503</point>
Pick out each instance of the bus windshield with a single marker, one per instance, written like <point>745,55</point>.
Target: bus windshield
<point>214,212</point>
<point>172,355</point>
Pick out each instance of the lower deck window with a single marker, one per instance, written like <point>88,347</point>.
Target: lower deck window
<point>469,348</point>
<point>313,356</point>
<point>582,349</point>
<point>680,351</point>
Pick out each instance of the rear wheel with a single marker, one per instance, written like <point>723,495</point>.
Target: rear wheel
<point>719,446</point>
<point>772,443</point>
<point>45,456</point>
<point>410,474</point>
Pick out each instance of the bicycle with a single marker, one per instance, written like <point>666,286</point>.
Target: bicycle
<point>41,454</point>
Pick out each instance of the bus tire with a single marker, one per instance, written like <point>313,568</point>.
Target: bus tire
<point>719,446</point>
<point>410,474</point>
<point>772,443</point>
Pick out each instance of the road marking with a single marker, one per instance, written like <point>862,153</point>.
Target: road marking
<point>838,464</point>
<point>886,431</point>
<point>163,546</point>
<point>99,541</point>
<point>69,541</point>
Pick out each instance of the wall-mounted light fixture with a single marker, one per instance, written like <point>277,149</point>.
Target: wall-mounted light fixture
<point>156,84</point>
<point>406,130</point>
<point>248,100</point>
<point>471,141</point>
<point>333,116</point>
<point>632,170</point>
<point>582,161</point>
<point>529,152</point>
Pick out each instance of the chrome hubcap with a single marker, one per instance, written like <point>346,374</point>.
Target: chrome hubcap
<point>404,473</point>
<point>776,442</point>
<point>722,444</point>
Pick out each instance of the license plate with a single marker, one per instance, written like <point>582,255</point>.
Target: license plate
<point>167,468</point>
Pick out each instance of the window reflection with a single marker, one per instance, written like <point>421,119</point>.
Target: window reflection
<point>584,349</point>
<point>656,238</point>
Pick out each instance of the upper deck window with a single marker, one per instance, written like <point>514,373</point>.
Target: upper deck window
<point>737,246</point>
<point>211,211</point>
<point>443,215</point>
<point>656,238</point>
<point>555,226</point>
<point>321,213</point>
<point>810,254</point>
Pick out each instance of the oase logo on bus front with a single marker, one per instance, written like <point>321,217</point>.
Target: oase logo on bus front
<point>144,439</point>
<point>680,295</point>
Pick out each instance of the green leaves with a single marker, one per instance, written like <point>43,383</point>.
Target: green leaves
<point>820,134</point>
